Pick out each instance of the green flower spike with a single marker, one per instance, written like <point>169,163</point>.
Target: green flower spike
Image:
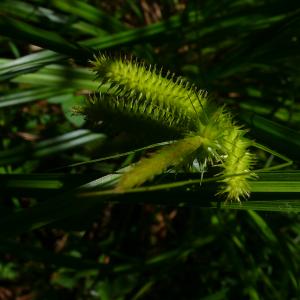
<point>147,86</point>
<point>141,96</point>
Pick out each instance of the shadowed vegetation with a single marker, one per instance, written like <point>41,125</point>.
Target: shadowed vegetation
<point>64,234</point>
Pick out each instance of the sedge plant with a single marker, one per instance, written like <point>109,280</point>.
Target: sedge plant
<point>141,96</point>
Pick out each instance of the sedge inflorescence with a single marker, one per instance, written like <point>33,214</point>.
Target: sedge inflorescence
<point>142,96</point>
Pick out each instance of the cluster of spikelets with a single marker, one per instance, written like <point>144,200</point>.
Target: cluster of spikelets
<point>142,96</point>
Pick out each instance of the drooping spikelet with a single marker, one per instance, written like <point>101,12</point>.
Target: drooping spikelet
<point>171,155</point>
<point>237,160</point>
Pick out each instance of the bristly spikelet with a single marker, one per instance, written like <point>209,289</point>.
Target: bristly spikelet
<point>147,85</point>
<point>120,110</point>
<point>226,145</point>
<point>172,155</point>
<point>237,160</point>
<point>140,97</point>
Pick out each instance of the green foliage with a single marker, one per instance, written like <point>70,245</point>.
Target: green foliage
<point>66,233</point>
